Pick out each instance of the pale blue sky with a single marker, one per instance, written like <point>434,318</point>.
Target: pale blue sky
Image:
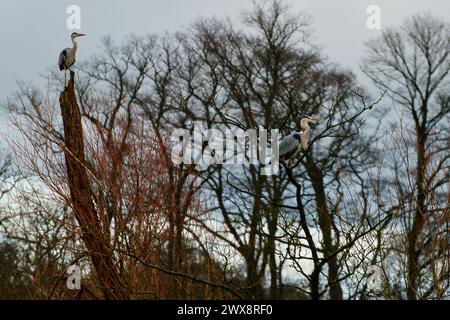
<point>32,33</point>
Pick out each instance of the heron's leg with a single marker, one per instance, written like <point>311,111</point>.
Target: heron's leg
<point>71,72</point>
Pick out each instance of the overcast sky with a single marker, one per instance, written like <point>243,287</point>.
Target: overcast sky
<point>32,33</point>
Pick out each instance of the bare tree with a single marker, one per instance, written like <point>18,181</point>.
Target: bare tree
<point>413,63</point>
<point>268,78</point>
<point>103,192</point>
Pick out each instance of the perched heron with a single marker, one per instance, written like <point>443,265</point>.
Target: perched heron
<point>296,141</point>
<point>68,55</point>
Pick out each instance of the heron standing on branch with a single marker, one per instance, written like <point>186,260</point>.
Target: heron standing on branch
<point>292,144</point>
<point>67,57</point>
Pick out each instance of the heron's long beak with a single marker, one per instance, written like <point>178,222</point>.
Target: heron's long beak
<point>81,34</point>
<point>314,119</point>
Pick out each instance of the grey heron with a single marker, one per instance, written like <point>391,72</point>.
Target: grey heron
<point>67,57</point>
<point>296,141</point>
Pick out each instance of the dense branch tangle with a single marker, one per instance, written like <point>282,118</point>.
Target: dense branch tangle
<point>190,231</point>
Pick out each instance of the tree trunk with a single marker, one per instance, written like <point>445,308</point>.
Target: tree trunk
<point>81,197</point>
<point>272,226</point>
<point>419,218</point>
<point>325,224</point>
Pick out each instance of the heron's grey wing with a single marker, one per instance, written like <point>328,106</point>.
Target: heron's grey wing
<point>288,144</point>
<point>62,59</point>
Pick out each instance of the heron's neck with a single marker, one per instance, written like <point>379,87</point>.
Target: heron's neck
<point>305,137</point>
<point>75,44</point>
